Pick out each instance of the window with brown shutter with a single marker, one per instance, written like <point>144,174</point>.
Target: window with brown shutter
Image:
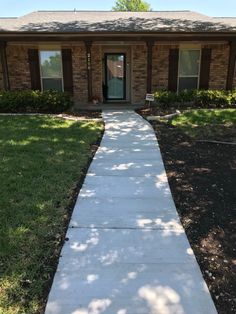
<point>33,58</point>
<point>67,70</point>
<point>205,68</point>
<point>173,69</point>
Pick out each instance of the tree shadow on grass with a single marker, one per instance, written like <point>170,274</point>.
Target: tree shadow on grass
<point>42,160</point>
<point>202,117</point>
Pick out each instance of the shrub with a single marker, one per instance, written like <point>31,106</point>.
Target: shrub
<point>233,97</point>
<point>196,98</point>
<point>29,101</point>
<point>212,97</point>
<point>187,96</point>
<point>166,97</point>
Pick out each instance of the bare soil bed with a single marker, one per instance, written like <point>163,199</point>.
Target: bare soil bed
<point>202,177</point>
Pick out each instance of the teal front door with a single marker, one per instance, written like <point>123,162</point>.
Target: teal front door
<point>115,76</point>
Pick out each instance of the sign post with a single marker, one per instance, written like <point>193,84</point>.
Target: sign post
<point>150,98</point>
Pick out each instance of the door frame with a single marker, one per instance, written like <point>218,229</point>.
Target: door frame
<point>124,71</point>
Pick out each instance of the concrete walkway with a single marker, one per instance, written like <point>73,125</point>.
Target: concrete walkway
<point>127,252</point>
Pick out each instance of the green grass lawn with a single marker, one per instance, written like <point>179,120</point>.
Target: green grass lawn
<point>208,123</point>
<point>41,163</point>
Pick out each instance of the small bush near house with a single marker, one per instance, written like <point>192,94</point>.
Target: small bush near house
<point>196,98</point>
<point>29,101</point>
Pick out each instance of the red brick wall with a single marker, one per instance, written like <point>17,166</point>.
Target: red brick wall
<point>96,59</point>
<point>219,66</point>
<point>18,67</point>
<point>160,61</point>
<point>139,73</point>
<point>79,65</point>
<point>218,69</point>
<point>19,73</point>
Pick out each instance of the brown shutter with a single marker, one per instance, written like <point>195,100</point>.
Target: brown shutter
<point>67,70</point>
<point>231,66</point>
<point>205,68</point>
<point>33,57</point>
<point>173,69</point>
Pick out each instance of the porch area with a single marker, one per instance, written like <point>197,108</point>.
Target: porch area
<point>108,106</point>
<point>117,71</point>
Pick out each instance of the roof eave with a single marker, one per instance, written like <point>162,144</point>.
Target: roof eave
<point>141,35</point>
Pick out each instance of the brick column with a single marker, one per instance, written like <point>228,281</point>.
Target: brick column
<point>3,59</point>
<point>88,45</point>
<point>150,44</point>
<point>231,66</point>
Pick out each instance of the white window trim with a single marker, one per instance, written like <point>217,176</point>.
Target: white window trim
<point>45,77</point>
<point>199,66</point>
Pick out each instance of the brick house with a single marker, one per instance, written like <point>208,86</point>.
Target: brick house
<point>117,56</point>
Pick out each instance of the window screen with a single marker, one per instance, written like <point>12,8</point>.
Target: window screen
<point>51,70</point>
<point>188,69</point>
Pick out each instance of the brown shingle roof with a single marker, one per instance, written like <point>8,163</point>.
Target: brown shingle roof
<point>108,21</point>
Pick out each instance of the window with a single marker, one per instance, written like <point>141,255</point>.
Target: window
<point>51,70</point>
<point>189,64</point>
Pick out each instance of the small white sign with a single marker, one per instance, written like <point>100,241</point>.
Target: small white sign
<point>150,97</point>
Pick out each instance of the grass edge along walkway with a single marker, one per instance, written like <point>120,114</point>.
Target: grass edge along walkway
<point>42,161</point>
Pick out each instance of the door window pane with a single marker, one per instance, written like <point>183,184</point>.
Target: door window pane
<point>189,62</point>
<point>115,76</point>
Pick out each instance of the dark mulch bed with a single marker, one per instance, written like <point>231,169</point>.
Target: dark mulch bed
<point>202,178</point>
<point>156,111</point>
<point>160,110</point>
